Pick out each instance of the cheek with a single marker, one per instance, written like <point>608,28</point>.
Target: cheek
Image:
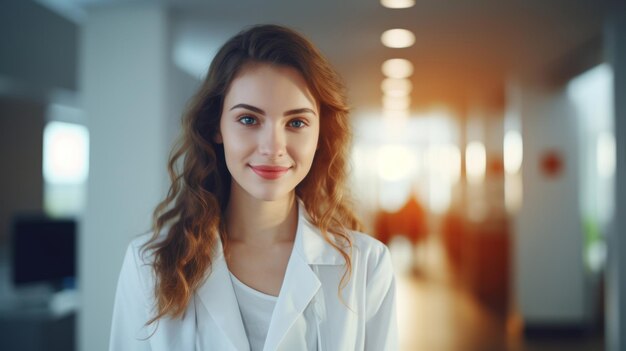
<point>308,147</point>
<point>236,147</point>
<point>234,144</point>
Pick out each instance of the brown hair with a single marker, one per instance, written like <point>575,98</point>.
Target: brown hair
<point>194,206</point>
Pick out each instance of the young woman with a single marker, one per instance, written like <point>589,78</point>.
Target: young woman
<point>255,246</point>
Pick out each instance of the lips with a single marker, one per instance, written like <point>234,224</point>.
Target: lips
<point>269,172</point>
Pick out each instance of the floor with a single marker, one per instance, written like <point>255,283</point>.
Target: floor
<point>436,314</point>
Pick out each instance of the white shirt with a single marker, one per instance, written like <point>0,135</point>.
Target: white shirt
<point>256,312</point>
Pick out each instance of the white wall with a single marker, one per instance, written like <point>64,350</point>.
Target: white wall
<point>548,260</point>
<point>124,84</point>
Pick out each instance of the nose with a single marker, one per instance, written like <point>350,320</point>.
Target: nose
<point>272,141</point>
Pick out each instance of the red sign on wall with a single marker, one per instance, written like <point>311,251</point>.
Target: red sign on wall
<point>552,163</point>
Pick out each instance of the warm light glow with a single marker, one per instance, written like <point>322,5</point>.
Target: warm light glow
<point>397,68</point>
<point>396,86</point>
<point>395,162</point>
<point>452,157</point>
<point>444,161</point>
<point>396,102</point>
<point>443,164</point>
<point>397,4</point>
<point>392,195</point>
<point>397,38</point>
<point>475,162</point>
<point>439,195</point>
<point>394,128</point>
<point>396,114</point>
<point>65,153</point>
<point>605,155</point>
<point>513,192</point>
<point>513,151</point>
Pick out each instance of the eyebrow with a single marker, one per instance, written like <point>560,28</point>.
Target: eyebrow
<point>287,113</point>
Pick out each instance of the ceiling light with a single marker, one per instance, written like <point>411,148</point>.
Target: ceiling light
<point>397,4</point>
<point>396,86</point>
<point>398,38</point>
<point>397,68</point>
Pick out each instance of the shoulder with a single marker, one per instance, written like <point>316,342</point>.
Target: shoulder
<point>373,254</point>
<point>137,265</point>
<point>139,247</point>
<point>368,246</point>
<point>376,275</point>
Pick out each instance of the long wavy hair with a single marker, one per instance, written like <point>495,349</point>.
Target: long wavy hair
<point>192,214</point>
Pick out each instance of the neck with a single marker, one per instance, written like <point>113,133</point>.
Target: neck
<point>260,223</point>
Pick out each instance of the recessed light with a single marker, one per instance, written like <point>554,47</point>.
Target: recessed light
<point>397,4</point>
<point>396,86</point>
<point>398,38</point>
<point>397,68</point>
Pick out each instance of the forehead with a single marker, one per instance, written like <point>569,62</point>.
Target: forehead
<point>270,86</point>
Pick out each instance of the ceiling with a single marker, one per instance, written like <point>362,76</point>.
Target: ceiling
<point>464,51</point>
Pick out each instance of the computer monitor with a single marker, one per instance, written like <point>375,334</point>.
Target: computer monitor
<point>43,250</point>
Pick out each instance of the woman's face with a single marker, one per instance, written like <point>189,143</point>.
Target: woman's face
<point>269,127</point>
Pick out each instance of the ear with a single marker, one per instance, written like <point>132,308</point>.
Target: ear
<point>217,138</point>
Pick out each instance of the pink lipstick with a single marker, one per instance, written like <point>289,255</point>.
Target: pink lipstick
<point>269,172</point>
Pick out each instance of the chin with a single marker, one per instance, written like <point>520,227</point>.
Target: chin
<point>267,191</point>
<point>270,194</point>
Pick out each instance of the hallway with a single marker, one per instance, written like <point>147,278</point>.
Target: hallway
<point>436,314</point>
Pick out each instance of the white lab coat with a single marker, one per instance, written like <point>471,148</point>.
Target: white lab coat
<point>308,304</point>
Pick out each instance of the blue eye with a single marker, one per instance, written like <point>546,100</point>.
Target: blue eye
<point>296,123</point>
<point>247,120</point>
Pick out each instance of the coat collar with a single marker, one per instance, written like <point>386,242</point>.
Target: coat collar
<point>219,299</point>
<point>311,245</point>
<point>299,287</point>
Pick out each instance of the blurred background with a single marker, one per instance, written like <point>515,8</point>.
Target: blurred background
<point>488,153</point>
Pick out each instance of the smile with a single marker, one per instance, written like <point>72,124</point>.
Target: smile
<point>269,172</point>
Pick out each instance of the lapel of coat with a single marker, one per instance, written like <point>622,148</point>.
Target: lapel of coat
<point>301,283</point>
<point>218,297</point>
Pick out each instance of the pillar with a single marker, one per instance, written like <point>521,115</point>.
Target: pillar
<point>124,58</point>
